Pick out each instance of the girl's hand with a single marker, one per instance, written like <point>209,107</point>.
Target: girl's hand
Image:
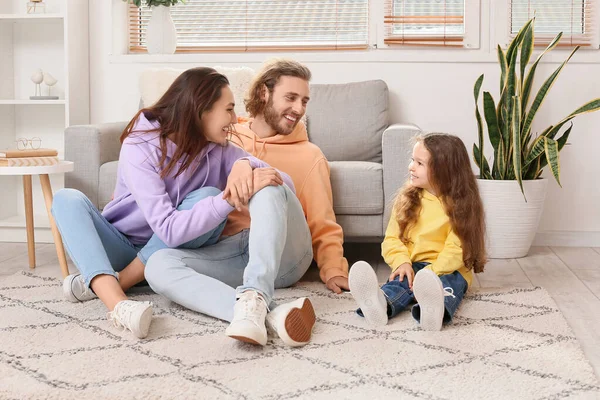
<point>240,184</point>
<point>404,270</point>
<point>264,177</point>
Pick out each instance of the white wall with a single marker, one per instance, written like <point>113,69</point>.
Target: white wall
<point>431,88</point>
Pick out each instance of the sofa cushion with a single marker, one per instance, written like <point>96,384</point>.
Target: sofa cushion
<point>346,121</point>
<point>357,187</point>
<point>361,228</point>
<point>107,182</point>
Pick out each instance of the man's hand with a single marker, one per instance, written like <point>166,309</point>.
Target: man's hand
<point>402,271</point>
<point>240,184</point>
<point>264,177</point>
<point>337,284</point>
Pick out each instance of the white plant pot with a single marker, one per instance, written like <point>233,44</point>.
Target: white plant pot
<point>161,36</point>
<point>511,223</point>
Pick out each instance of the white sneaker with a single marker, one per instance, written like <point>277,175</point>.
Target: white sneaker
<point>429,293</point>
<point>133,315</point>
<point>75,289</point>
<point>248,324</point>
<point>367,293</point>
<point>293,322</point>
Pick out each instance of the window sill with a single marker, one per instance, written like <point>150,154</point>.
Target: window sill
<point>387,55</point>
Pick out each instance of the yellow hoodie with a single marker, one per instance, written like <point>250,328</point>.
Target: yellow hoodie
<point>307,166</point>
<point>432,240</point>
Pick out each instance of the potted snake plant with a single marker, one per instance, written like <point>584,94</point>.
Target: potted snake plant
<point>511,183</point>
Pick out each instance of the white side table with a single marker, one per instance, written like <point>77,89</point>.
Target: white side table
<point>43,172</point>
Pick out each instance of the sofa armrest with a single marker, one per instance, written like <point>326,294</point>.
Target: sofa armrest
<point>396,153</point>
<point>90,146</point>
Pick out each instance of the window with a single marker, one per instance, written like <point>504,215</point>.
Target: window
<point>432,22</point>
<point>575,18</point>
<point>245,25</point>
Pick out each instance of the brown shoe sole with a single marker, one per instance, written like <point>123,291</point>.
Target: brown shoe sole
<point>299,322</point>
<point>245,339</point>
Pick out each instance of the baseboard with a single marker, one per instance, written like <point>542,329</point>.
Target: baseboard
<point>567,239</point>
<point>19,234</point>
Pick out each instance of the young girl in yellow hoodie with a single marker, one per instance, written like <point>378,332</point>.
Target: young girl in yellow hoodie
<point>434,240</point>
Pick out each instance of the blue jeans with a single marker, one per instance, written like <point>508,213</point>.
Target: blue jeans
<point>97,247</point>
<point>275,252</point>
<point>209,238</point>
<point>399,296</point>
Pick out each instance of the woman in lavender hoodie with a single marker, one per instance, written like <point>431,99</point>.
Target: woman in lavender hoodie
<point>178,179</point>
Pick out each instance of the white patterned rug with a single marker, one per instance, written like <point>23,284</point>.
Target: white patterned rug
<point>503,345</point>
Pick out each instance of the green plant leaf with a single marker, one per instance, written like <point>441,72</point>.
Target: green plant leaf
<point>476,91</point>
<point>516,42</point>
<point>537,148</point>
<point>526,50</point>
<point>552,130</point>
<point>477,88</point>
<point>507,104</point>
<point>489,110</point>
<point>516,141</point>
<point>503,67</point>
<point>484,173</point>
<point>562,141</point>
<point>539,99</point>
<point>499,163</point>
<point>508,89</point>
<point>536,165</point>
<point>500,107</point>
<point>551,150</point>
<point>528,84</point>
<point>590,106</point>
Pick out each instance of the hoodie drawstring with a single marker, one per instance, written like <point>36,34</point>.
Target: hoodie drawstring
<point>262,149</point>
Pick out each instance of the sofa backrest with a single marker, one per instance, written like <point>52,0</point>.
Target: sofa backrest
<point>347,120</point>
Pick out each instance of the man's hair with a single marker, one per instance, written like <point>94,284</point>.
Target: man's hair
<point>268,77</point>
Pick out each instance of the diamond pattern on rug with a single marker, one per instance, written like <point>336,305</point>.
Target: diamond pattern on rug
<point>502,344</point>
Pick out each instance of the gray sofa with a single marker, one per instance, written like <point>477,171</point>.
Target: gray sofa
<point>349,122</point>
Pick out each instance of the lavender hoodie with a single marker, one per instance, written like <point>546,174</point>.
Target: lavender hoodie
<point>144,203</point>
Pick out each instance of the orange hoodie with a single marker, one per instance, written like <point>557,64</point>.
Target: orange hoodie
<point>307,166</point>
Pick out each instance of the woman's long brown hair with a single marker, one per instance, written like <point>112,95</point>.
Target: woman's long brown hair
<point>453,180</point>
<point>179,113</point>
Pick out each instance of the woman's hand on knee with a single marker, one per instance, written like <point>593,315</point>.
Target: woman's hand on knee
<point>240,184</point>
<point>264,177</point>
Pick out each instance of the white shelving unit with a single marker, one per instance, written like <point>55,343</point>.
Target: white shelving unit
<point>32,102</point>
<point>31,16</point>
<point>57,42</point>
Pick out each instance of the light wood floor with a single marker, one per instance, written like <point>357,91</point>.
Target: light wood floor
<point>570,274</point>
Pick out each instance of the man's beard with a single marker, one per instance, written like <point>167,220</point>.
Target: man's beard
<point>273,119</point>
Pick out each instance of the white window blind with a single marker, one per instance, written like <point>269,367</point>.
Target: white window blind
<point>425,22</point>
<point>574,18</point>
<point>246,25</point>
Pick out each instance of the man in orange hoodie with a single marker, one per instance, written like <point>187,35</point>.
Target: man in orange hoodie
<point>277,101</point>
